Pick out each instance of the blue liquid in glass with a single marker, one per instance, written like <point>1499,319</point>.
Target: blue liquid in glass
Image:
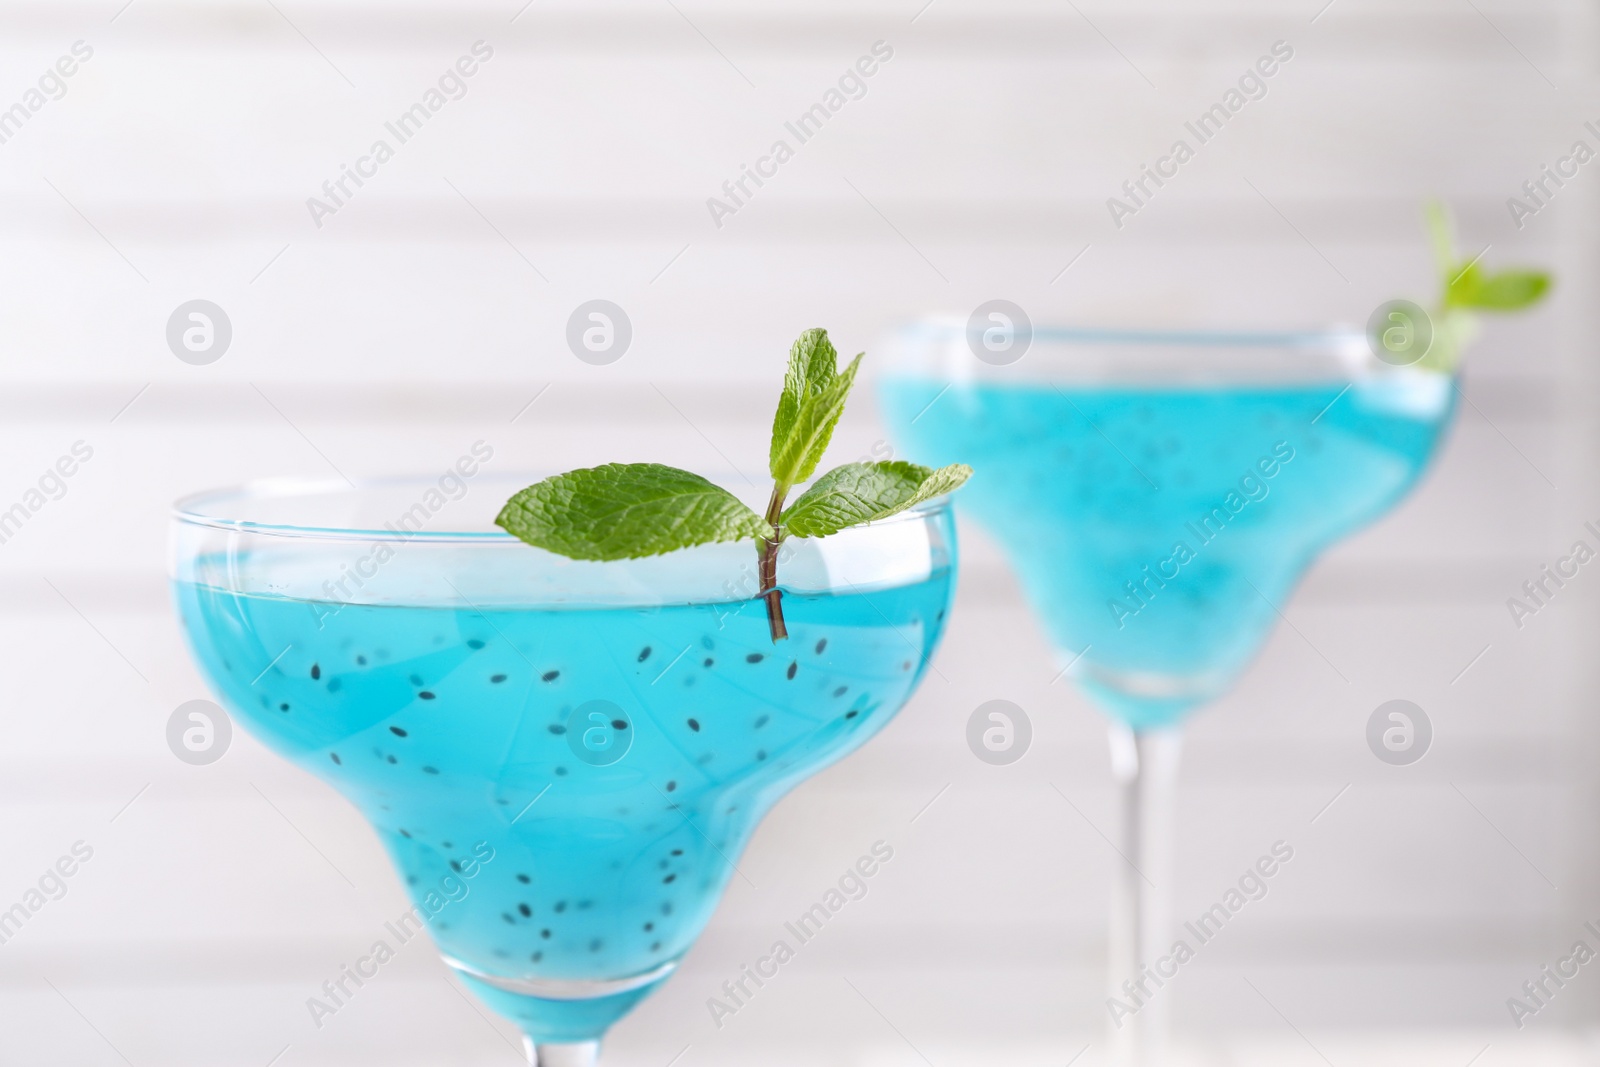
<point>470,741</point>
<point>1157,530</point>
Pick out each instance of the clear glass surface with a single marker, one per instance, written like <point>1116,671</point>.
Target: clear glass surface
<point>563,759</point>
<point>1159,494</point>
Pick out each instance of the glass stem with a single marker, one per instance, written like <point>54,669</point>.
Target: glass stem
<point>1144,764</point>
<point>574,1054</point>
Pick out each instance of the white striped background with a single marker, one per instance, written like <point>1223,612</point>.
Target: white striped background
<point>430,311</point>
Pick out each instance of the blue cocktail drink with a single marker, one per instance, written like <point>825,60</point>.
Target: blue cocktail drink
<point>1156,530</point>
<point>563,759</point>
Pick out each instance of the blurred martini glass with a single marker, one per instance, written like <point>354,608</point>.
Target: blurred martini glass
<point>1160,494</point>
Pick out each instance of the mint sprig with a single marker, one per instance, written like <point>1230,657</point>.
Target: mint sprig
<point>1467,288</point>
<point>631,510</point>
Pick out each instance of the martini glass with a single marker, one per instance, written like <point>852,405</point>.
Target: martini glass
<point>563,759</point>
<point>1160,494</point>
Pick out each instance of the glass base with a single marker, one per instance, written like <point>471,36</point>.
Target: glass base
<point>562,1013</point>
<point>572,1054</point>
<point>1146,701</point>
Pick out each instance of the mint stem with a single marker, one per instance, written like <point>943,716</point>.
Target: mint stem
<point>768,568</point>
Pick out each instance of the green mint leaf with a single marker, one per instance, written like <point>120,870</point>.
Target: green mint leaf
<point>626,510</point>
<point>1461,285</point>
<point>813,364</point>
<point>1469,288</point>
<point>1509,290</point>
<point>795,456</point>
<point>863,492</point>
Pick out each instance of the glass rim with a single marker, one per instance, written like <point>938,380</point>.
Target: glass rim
<point>191,509</point>
<point>1334,336</point>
